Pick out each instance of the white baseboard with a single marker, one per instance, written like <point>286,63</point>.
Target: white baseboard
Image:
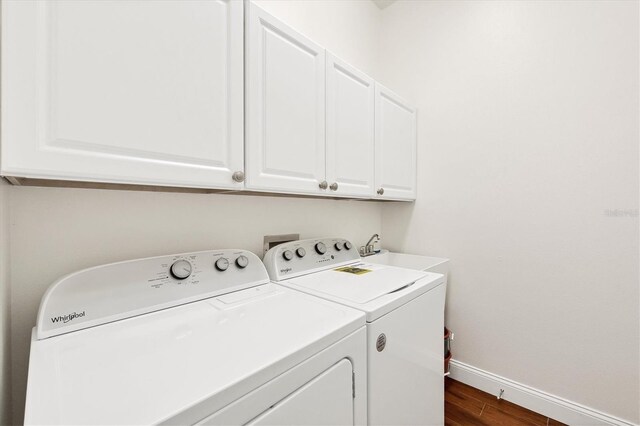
<point>541,402</point>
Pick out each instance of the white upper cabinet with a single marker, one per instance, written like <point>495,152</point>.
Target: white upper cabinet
<point>395,146</point>
<point>285,116</point>
<point>201,94</point>
<point>350,130</point>
<point>145,92</point>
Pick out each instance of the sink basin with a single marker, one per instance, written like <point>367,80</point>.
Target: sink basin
<point>411,261</point>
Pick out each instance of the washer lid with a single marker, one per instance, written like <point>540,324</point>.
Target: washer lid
<point>374,289</point>
<point>360,282</point>
<point>180,364</point>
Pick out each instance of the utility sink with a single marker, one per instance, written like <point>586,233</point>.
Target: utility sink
<point>411,261</point>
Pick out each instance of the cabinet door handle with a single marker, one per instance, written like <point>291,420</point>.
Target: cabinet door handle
<point>238,176</point>
<point>323,184</point>
<point>334,186</point>
<point>380,191</point>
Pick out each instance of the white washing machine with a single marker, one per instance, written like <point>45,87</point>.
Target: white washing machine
<point>405,318</point>
<point>197,338</point>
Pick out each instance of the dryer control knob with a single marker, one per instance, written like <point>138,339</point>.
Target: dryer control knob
<point>338,246</point>
<point>321,248</point>
<point>287,254</point>
<point>242,262</point>
<point>301,252</point>
<point>222,264</point>
<point>181,269</point>
<point>348,245</point>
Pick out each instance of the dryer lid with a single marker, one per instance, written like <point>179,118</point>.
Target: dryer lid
<point>178,365</point>
<point>359,282</point>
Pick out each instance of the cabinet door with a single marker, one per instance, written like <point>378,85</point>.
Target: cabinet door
<point>285,107</point>
<point>395,146</point>
<point>350,130</point>
<point>140,91</point>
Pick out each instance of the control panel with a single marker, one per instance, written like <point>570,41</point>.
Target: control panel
<point>121,290</point>
<point>302,257</point>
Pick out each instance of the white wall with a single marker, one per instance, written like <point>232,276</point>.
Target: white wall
<point>528,135</point>
<point>58,231</point>
<point>5,308</point>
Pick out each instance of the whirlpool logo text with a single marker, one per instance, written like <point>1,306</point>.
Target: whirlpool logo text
<point>66,318</point>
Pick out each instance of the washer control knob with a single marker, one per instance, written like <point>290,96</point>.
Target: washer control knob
<point>321,248</point>
<point>287,254</point>
<point>181,269</point>
<point>222,264</point>
<point>348,245</point>
<point>338,246</point>
<point>242,262</point>
<point>301,252</point>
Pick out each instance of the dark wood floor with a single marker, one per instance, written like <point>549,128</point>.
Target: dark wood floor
<point>464,405</point>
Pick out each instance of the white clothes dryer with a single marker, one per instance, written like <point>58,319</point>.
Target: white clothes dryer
<point>405,318</point>
<point>196,338</point>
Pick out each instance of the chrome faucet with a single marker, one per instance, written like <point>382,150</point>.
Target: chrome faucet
<point>369,249</point>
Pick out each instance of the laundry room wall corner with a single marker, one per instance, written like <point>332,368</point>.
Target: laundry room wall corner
<point>5,307</point>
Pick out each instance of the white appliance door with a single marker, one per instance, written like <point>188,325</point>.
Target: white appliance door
<point>325,400</point>
<point>405,363</point>
<point>358,283</point>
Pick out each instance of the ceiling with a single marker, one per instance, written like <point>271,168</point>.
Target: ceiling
<point>383,3</point>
